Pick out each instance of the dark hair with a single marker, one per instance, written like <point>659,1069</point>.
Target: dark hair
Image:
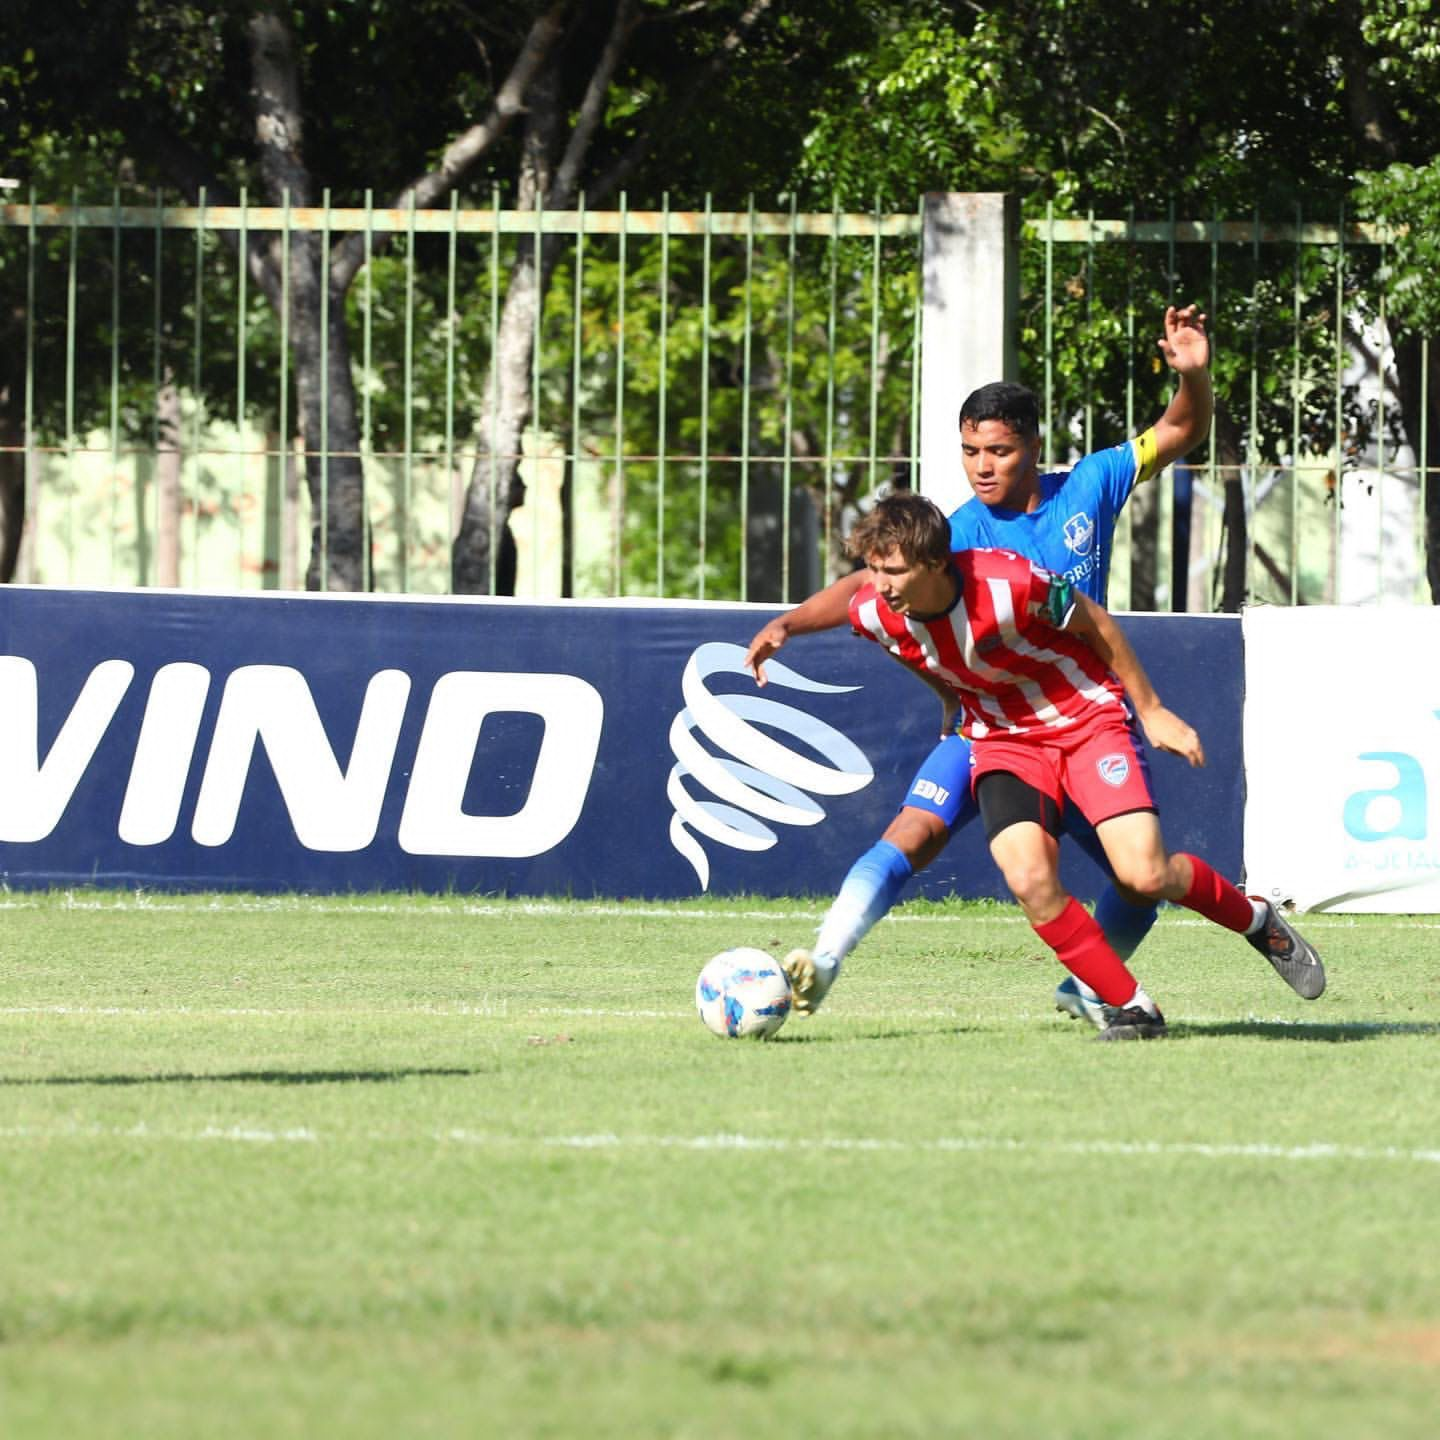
<point>906,522</point>
<point>1013,405</point>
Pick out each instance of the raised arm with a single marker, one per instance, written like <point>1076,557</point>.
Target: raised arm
<point>1163,728</point>
<point>1186,420</point>
<point>824,610</point>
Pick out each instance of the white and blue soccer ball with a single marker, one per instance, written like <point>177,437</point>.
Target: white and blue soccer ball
<point>743,992</point>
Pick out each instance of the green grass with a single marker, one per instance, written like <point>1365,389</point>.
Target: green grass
<point>422,1168</point>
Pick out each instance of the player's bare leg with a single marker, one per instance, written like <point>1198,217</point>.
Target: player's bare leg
<point>919,835</point>
<point>911,841</point>
<point>1029,859</point>
<point>1137,854</point>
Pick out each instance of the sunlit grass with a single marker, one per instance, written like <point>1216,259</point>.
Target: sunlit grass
<point>389,1166</point>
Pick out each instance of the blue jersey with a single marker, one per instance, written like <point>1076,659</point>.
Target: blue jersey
<point>1071,529</point>
<point>1068,533</point>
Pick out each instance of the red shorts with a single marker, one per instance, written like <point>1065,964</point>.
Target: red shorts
<point>1101,770</point>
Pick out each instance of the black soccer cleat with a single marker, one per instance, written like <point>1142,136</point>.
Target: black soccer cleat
<point>1294,959</point>
<point>1133,1023</point>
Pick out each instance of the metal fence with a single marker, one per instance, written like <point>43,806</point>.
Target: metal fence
<point>710,396</point>
<point>709,392</point>
<point>1314,484</point>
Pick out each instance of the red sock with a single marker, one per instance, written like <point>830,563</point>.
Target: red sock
<point>1217,899</point>
<point>1083,950</point>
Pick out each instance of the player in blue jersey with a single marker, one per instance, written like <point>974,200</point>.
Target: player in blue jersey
<point>1064,521</point>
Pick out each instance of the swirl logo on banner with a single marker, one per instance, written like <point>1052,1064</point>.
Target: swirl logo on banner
<point>757,778</point>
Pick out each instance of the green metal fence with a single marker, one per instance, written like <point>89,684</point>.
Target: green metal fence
<point>708,395</point>
<point>1314,484</point>
<point>708,392</point>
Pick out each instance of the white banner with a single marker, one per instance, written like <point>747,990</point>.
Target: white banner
<point>1342,757</point>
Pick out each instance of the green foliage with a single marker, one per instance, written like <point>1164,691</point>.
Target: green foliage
<point>925,114</point>
<point>1407,33</point>
<point>1086,103</point>
<point>1238,108</point>
<point>1406,199</point>
<point>726,419</point>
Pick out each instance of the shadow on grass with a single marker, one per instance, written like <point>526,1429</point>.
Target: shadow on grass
<point>250,1077</point>
<point>1331,1032</point>
<point>852,1037</point>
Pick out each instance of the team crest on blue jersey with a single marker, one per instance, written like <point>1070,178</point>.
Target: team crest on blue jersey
<point>1114,769</point>
<point>1080,533</point>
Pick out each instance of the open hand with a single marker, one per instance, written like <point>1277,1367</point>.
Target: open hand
<point>1185,345</point>
<point>1165,730</point>
<point>763,646</point>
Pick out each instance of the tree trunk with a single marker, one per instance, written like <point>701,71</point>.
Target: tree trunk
<point>1233,593</point>
<point>167,482</point>
<point>1144,546</point>
<point>554,170</point>
<point>324,384</point>
<point>1415,402</point>
<point>495,484</point>
<point>12,491</point>
<point>1234,543</point>
<point>325,389</point>
<point>495,487</point>
<point>290,519</point>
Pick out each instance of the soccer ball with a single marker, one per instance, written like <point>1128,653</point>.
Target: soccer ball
<point>743,992</point>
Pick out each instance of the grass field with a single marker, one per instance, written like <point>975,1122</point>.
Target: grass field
<point>429,1168</point>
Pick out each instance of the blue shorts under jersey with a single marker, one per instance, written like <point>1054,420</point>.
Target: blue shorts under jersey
<point>1070,533</point>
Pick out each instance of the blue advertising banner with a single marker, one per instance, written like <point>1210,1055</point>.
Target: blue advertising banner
<point>339,743</point>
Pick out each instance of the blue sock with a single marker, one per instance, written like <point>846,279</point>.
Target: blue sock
<point>870,889</point>
<point>1125,925</point>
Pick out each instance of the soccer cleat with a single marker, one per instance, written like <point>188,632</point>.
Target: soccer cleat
<point>1133,1023</point>
<point>1076,999</point>
<point>809,983</point>
<point>1294,959</point>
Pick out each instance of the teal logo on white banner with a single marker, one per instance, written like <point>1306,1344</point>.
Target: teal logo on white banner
<point>1399,811</point>
<point>1342,772</point>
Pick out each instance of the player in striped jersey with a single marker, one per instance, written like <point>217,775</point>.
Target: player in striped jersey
<point>1034,669</point>
<point>1064,521</point>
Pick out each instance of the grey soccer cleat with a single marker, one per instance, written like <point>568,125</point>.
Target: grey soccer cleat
<point>1133,1023</point>
<point>1076,999</point>
<point>1293,957</point>
<point>809,982</point>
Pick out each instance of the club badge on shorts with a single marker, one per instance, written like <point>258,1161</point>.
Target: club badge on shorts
<point>1113,769</point>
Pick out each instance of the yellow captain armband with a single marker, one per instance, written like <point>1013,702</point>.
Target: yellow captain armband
<point>1147,456</point>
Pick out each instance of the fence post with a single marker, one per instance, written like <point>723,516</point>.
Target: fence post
<point>971,291</point>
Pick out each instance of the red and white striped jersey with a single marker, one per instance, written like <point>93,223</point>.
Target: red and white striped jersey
<point>1000,648</point>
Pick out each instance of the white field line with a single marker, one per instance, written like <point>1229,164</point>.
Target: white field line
<point>741,1144</point>
<point>439,906</point>
<point>992,1145</point>
<point>250,1134</point>
<point>450,911</point>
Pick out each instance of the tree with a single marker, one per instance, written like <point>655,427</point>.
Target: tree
<point>1230,108</point>
<point>300,101</point>
<point>1401,189</point>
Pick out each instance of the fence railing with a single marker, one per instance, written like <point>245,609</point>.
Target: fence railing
<point>704,397</point>
<point>1315,483</point>
<point>707,392</point>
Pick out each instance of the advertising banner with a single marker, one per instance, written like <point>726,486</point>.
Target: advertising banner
<point>342,743</point>
<point>1342,757</point>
